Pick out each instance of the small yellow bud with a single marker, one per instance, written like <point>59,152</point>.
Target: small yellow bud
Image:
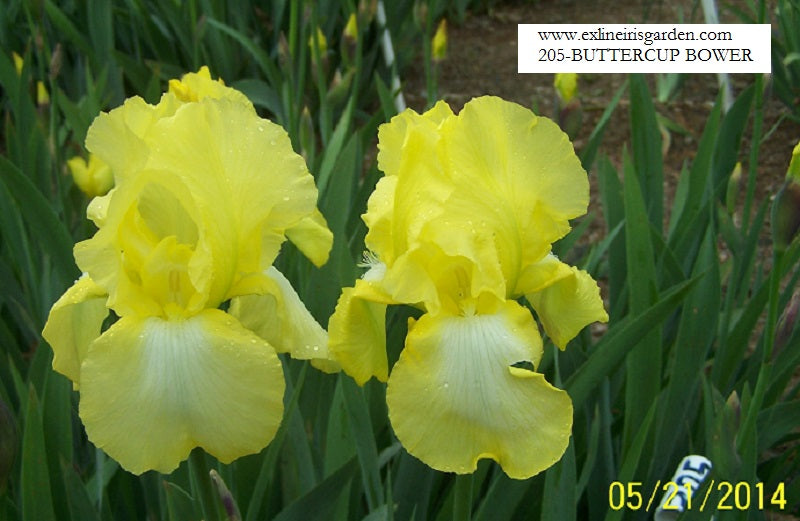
<point>322,42</point>
<point>439,42</point>
<point>734,186</point>
<point>351,29</point>
<point>566,85</point>
<point>18,62</point>
<point>94,178</point>
<point>794,164</point>
<point>786,206</point>
<point>42,96</point>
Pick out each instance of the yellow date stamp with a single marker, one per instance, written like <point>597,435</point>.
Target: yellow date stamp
<point>683,495</point>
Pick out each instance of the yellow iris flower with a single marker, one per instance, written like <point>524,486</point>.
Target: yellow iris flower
<point>461,226</point>
<point>205,193</point>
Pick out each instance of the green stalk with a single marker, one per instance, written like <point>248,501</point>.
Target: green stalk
<point>462,500</point>
<point>430,70</point>
<point>765,372</point>
<point>202,485</point>
<point>758,122</point>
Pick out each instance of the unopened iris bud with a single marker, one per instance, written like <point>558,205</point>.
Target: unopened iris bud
<point>18,62</point>
<point>568,107</point>
<point>566,85</point>
<point>321,43</point>
<point>56,61</point>
<point>339,87</point>
<point>733,410</point>
<point>306,133</point>
<point>439,42</point>
<point>786,206</point>
<point>283,50</point>
<point>351,28</point>
<point>786,323</point>
<point>225,497</point>
<point>367,10</point>
<point>42,96</point>
<point>734,186</point>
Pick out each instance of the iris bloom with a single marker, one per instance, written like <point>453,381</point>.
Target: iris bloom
<point>206,191</point>
<point>461,226</point>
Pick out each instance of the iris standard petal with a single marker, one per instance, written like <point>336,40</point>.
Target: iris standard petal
<point>454,396</point>
<point>568,305</point>
<point>392,136</point>
<point>357,332</point>
<point>195,86</point>
<point>74,323</point>
<point>276,314</point>
<point>154,389</point>
<point>244,171</point>
<point>522,172</point>
<point>116,137</point>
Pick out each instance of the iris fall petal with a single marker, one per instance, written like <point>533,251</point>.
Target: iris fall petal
<point>154,389</point>
<point>454,396</point>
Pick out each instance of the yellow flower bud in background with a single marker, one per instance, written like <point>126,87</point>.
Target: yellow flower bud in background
<point>439,42</point>
<point>794,164</point>
<point>786,206</point>
<point>18,62</point>
<point>351,28</point>
<point>42,96</point>
<point>322,42</point>
<point>566,85</point>
<point>94,177</point>
<point>734,186</point>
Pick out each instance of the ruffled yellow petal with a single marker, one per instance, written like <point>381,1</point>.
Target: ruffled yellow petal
<point>116,137</point>
<point>244,171</point>
<point>399,211</point>
<point>97,209</point>
<point>454,397</point>
<point>195,86</point>
<point>357,332</point>
<point>152,390</point>
<point>517,174</point>
<point>74,322</point>
<point>312,237</point>
<point>568,305</point>
<point>537,276</point>
<point>237,178</point>
<point>379,219</point>
<point>277,315</point>
<point>392,136</point>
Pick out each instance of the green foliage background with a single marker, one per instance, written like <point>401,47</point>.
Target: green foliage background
<point>697,357</point>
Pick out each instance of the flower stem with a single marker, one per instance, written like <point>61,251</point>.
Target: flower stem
<point>202,485</point>
<point>462,502</point>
